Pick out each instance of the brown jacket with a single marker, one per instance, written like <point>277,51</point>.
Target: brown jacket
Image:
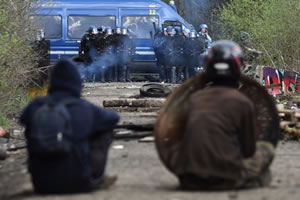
<point>219,133</point>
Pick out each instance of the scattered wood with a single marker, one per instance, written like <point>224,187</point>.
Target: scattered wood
<point>135,109</point>
<point>273,85</point>
<point>290,122</point>
<point>136,127</point>
<point>144,103</point>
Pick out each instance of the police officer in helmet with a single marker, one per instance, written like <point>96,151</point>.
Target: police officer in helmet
<point>159,48</point>
<point>109,50</point>
<point>124,52</point>
<point>170,55</point>
<point>179,59</point>
<point>204,33</point>
<point>87,44</point>
<point>193,48</point>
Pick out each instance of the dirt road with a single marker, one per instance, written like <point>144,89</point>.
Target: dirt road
<point>141,176</point>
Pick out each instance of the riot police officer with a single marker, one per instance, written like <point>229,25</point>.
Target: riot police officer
<point>41,47</point>
<point>87,44</point>
<point>159,48</point>
<point>117,42</point>
<point>170,55</point>
<point>203,32</point>
<point>193,47</point>
<point>100,39</point>
<point>178,45</point>
<point>124,53</point>
<point>110,52</point>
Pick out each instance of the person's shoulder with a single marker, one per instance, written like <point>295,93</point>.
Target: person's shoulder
<point>85,36</point>
<point>37,101</point>
<point>89,105</point>
<point>28,111</point>
<point>84,103</point>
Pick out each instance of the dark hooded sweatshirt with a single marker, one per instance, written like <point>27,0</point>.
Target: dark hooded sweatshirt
<point>52,175</point>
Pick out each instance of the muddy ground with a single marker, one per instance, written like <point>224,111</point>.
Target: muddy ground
<point>141,175</point>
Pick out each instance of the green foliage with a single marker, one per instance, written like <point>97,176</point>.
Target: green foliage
<point>271,26</point>
<point>17,60</point>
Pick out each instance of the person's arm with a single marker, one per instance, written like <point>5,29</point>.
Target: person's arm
<point>209,40</point>
<point>248,132</point>
<point>104,120</point>
<point>81,47</point>
<point>29,109</point>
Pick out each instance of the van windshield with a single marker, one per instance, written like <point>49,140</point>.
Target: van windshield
<point>78,25</point>
<point>52,25</point>
<point>140,26</point>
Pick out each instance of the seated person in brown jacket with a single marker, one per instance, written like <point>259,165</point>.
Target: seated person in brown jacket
<point>220,150</point>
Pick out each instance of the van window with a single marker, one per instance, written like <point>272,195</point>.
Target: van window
<point>52,25</point>
<point>78,25</point>
<point>140,26</point>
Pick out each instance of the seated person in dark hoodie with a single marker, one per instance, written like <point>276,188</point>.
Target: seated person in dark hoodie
<point>219,149</point>
<point>92,127</point>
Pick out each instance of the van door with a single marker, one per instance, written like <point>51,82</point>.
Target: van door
<point>140,23</point>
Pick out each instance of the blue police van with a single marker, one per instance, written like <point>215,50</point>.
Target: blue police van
<point>66,21</point>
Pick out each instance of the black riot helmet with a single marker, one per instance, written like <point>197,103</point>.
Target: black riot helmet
<point>101,29</point>
<point>178,30</point>
<point>92,30</point>
<point>223,62</point>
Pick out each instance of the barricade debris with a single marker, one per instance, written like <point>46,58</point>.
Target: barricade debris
<point>134,104</point>
<point>289,114</point>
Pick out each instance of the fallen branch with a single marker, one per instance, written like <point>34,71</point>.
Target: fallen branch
<point>134,109</point>
<point>133,103</point>
<point>134,127</point>
<point>273,85</point>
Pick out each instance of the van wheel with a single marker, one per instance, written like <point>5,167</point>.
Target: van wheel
<point>154,90</point>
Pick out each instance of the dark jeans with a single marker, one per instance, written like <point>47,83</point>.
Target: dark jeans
<point>99,146</point>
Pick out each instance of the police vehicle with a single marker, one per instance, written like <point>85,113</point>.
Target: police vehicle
<point>66,21</point>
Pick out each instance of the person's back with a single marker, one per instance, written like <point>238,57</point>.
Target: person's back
<point>100,42</point>
<point>220,129</point>
<point>218,148</point>
<point>76,172</point>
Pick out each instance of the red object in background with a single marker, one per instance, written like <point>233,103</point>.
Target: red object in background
<point>2,132</point>
<point>271,76</point>
<point>290,81</point>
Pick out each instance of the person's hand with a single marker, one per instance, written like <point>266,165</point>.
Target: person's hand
<point>2,132</point>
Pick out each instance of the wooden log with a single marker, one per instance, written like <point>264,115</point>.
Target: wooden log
<point>134,109</point>
<point>136,127</point>
<point>286,111</point>
<point>273,85</point>
<point>133,102</point>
